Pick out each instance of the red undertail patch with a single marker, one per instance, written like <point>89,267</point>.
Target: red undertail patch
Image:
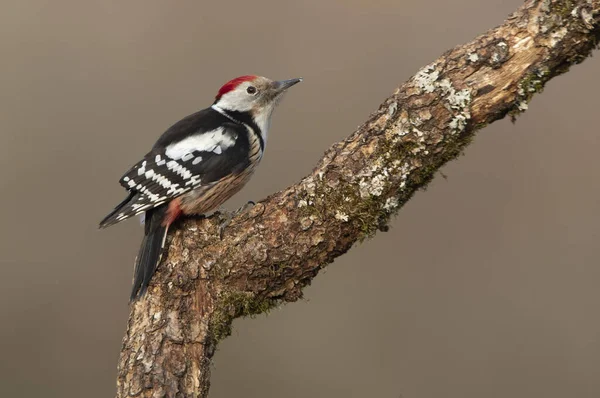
<point>173,212</point>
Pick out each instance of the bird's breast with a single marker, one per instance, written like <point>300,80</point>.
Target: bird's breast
<point>209,197</point>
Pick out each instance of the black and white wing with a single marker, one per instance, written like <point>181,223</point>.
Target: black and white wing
<point>197,151</point>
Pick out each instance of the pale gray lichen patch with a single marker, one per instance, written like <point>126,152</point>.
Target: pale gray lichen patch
<point>373,186</point>
<point>341,216</point>
<point>557,36</point>
<point>531,84</point>
<point>403,169</point>
<point>391,204</point>
<point>458,123</point>
<point>310,186</point>
<point>459,99</point>
<point>400,131</point>
<point>426,77</point>
<point>456,101</point>
<point>446,86</point>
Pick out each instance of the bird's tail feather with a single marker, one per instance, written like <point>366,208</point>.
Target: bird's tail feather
<point>150,252</point>
<point>121,212</point>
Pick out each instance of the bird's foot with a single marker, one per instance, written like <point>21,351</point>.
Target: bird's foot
<point>228,216</point>
<point>196,216</point>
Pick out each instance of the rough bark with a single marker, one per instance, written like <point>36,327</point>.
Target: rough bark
<point>270,253</point>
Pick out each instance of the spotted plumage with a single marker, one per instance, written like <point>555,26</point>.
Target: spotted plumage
<point>197,164</point>
<point>196,152</point>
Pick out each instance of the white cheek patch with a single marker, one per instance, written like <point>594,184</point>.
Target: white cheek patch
<point>236,100</point>
<point>216,141</point>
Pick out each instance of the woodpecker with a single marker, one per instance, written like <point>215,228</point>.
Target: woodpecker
<point>197,164</point>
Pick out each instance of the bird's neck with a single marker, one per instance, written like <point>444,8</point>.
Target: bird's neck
<point>260,122</point>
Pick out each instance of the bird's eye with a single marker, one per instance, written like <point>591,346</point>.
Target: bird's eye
<point>251,90</point>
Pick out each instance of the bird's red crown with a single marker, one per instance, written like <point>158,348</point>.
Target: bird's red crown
<point>232,84</point>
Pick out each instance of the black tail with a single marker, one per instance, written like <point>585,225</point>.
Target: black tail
<point>150,251</point>
<point>121,212</point>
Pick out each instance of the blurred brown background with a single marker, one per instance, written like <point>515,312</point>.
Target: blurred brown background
<point>486,286</point>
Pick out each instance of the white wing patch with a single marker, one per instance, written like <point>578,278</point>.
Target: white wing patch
<point>216,141</point>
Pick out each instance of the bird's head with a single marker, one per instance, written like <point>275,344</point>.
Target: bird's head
<point>255,96</point>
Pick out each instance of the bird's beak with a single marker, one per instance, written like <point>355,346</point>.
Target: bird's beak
<point>283,85</point>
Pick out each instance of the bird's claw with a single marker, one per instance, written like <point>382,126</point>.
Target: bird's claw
<point>230,215</point>
<point>197,216</point>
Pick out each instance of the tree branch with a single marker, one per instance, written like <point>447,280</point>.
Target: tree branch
<point>268,254</point>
